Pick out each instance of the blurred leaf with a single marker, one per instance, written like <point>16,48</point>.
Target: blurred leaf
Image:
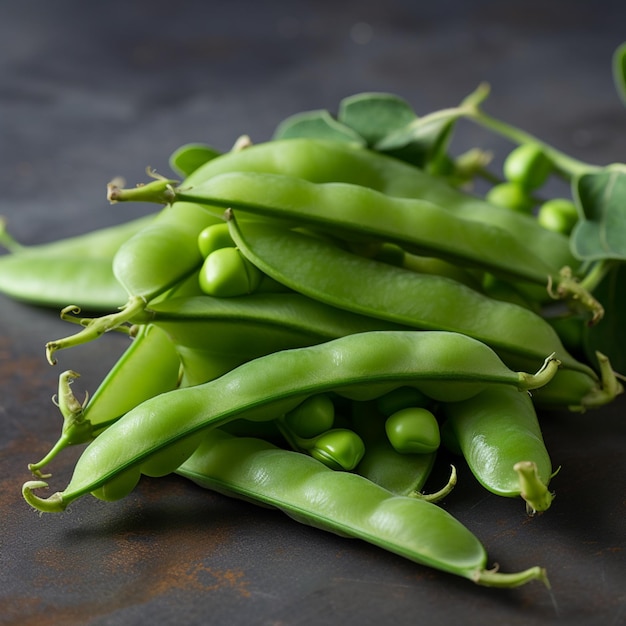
<point>601,199</point>
<point>375,115</point>
<point>608,335</point>
<point>319,124</point>
<point>190,157</point>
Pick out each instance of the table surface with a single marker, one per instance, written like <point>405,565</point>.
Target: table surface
<point>93,90</point>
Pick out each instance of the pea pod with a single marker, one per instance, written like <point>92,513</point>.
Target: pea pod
<point>346,504</point>
<point>363,214</point>
<point>335,161</point>
<point>426,302</point>
<point>363,366</point>
<point>150,263</point>
<point>214,335</point>
<point>70,270</point>
<point>496,430</point>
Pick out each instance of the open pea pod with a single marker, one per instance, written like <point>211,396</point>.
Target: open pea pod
<point>391,294</point>
<point>346,504</point>
<point>158,435</point>
<point>75,270</point>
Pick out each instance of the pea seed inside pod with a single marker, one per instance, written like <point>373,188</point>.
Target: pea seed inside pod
<point>226,273</point>
<point>413,431</point>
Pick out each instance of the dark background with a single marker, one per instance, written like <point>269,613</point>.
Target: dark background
<point>93,90</point>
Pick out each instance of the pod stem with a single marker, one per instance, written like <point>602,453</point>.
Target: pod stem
<point>437,496</point>
<point>494,578</point>
<point>569,288</point>
<point>608,389</point>
<point>542,377</point>
<point>76,429</point>
<point>54,504</point>
<point>160,191</point>
<point>94,328</point>
<point>532,489</point>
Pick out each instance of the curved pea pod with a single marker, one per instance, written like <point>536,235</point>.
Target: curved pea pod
<point>74,270</point>
<point>445,366</point>
<point>499,435</point>
<point>148,367</point>
<point>346,504</point>
<point>214,335</point>
<point>363,214</point>
<point>423,301</point>
<point>189,157</point>
<point>151,262</point>
<point>333,161</point>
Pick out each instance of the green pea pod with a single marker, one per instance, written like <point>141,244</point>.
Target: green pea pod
<point>346,504</point>
<point>362,214</point>
<point>148,367</point>
<point>363,366</point>
<point>322,161</point>
<point>74,270</point>
<point>496,430</point>
<point>150,263</point>
<point>326,273</point>
<point>214,335</point>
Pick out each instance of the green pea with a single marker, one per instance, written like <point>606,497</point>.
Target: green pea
<point>226,273</point>
<point>511,196</point>
<point>312,417</point>
<point>413,430</point>
<point>559,215</point>
<point>338,449</point>
<point>214,237</point>
<point>528,166</point>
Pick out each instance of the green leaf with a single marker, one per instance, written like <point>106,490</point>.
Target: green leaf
<point>619,71</point>
<point>601,199</point>
<point>609,336</point>
<point>190,157</point>
<point>421,140</point>
<point>319,124</point>
<point>375,115</point>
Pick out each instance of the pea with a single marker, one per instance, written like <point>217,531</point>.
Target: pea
<point>214,237</point>
<point>528,166</point>
<point>511,195</point>
<point>559,215</point>
<point>312,417</point>
<point>413,430</point>
<point>226,273</point>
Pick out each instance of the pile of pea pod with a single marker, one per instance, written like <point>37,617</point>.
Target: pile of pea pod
<point>321,314</point>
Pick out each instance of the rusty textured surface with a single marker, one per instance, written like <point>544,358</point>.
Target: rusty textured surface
<point>90,91</point>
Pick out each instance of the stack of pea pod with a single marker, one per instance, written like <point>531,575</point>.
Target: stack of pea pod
<point>320,314</point>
